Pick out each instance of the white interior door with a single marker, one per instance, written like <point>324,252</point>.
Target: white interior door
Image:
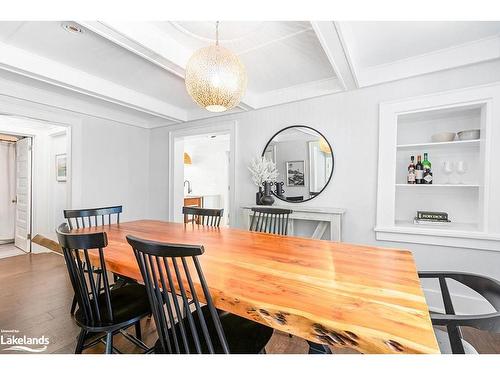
<point>23,192</point>
<point>178,166</point>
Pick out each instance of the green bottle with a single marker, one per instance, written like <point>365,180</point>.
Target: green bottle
<point>426,163</point>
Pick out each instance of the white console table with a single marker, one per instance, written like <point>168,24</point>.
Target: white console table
<point>323,217</point>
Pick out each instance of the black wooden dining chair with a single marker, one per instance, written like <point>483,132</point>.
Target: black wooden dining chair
<point>452,342</point>
<point>94,217</point>
<point>203,216</point>
<point>169,270</point>
<point>270,220</point>
<point>101,310</point>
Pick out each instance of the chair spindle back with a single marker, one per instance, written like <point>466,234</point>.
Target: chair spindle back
<point>270,220</point>
<point>166,273</point>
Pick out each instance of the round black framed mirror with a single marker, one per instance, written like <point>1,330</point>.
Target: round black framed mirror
<point>304,159</point>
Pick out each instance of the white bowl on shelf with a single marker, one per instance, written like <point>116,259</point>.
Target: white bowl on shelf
<point>443,137</point>
<point>469,135</point>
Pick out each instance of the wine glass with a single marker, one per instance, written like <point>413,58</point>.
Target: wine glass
<point>461,169</point>
<point>447,170</point>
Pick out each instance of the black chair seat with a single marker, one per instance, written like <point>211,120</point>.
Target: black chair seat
<point>243,336</point>
<point>127,302</point>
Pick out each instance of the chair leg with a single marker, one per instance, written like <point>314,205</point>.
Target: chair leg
<point>80,342</point>
<point>315,348</point>
<point>73,306</point>
<point>109,343</point>
<point>138,333</point>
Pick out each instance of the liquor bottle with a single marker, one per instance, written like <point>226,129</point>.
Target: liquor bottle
<point>419,171</point>
<point>427,170</point>
<point>427,176</point>
<point>426,163</point>
<point>410,179</point>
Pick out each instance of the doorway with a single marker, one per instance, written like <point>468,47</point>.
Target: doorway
<point>15,194</point>
<point>33,177</point>
<point>202,171</point>
<point>206,172</point>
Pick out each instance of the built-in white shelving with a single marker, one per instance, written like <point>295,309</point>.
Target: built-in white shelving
<point>406,129</point>
<point>422,186</point>
<point>432,145</point>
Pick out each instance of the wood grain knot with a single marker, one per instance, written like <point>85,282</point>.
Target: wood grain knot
<point>394,345</point>
<point>352,335</point>
<point>332,337</point>
<point>280,318</point>
<point>264,312</point>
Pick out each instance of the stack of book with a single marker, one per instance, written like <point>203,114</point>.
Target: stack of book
<point>433,218</point>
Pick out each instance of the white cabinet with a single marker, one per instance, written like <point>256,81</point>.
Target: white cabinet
<point>471,199</point>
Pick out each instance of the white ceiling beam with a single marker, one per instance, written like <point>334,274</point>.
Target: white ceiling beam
<point>144,40</point>
<point>449,58</point>
<point>332,45</point>
<point>147,41</point>
<point>22,62</point>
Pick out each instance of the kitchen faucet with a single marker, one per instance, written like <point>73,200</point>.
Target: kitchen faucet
<point>189,186</point>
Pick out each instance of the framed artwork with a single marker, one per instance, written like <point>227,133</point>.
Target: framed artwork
<point>61,167</point>
<point>295,173</point>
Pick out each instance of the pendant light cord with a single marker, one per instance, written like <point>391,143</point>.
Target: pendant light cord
<point>217,33</point>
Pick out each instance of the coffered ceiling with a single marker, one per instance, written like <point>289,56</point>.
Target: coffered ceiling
<point>140,65</point>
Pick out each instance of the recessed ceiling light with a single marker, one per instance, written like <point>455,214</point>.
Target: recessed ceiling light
<point>72,27</point>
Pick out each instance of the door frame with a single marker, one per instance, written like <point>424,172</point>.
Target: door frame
<point>219,127</point>
<point>37,219</point>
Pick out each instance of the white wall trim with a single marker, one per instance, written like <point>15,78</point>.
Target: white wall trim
<point>43,98</point>
<point>228,127</point>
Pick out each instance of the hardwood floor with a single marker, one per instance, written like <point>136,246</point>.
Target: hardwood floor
<point>35,297</point>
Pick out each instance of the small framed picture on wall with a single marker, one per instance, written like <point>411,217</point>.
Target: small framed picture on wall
<point>61,169</point>
<point>295,173</point>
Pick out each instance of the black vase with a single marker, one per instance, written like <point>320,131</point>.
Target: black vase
<point>267,199</point>
<point>258,196</point>
<point>279,189</point>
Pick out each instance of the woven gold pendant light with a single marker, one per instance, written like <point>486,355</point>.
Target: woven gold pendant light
<point>215,77</point>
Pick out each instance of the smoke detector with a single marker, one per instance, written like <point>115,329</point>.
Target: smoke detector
<point>72,27</point>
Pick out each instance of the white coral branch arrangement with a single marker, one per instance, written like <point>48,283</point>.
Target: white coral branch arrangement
<point>263,170</point>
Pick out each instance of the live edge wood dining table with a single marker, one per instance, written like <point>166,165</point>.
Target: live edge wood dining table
<point>331,293</point>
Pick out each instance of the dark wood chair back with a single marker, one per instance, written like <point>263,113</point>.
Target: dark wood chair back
<point>164,268</point>
<point>487,287</point>
<point>203,216</point>
<point>89,217</point>
<point>83,273</point>
<point>270,220</point>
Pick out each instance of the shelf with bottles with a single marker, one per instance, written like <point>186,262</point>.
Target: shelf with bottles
<point>450,167</point>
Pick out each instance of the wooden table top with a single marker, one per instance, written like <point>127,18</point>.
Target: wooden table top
<point>363,297</point>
